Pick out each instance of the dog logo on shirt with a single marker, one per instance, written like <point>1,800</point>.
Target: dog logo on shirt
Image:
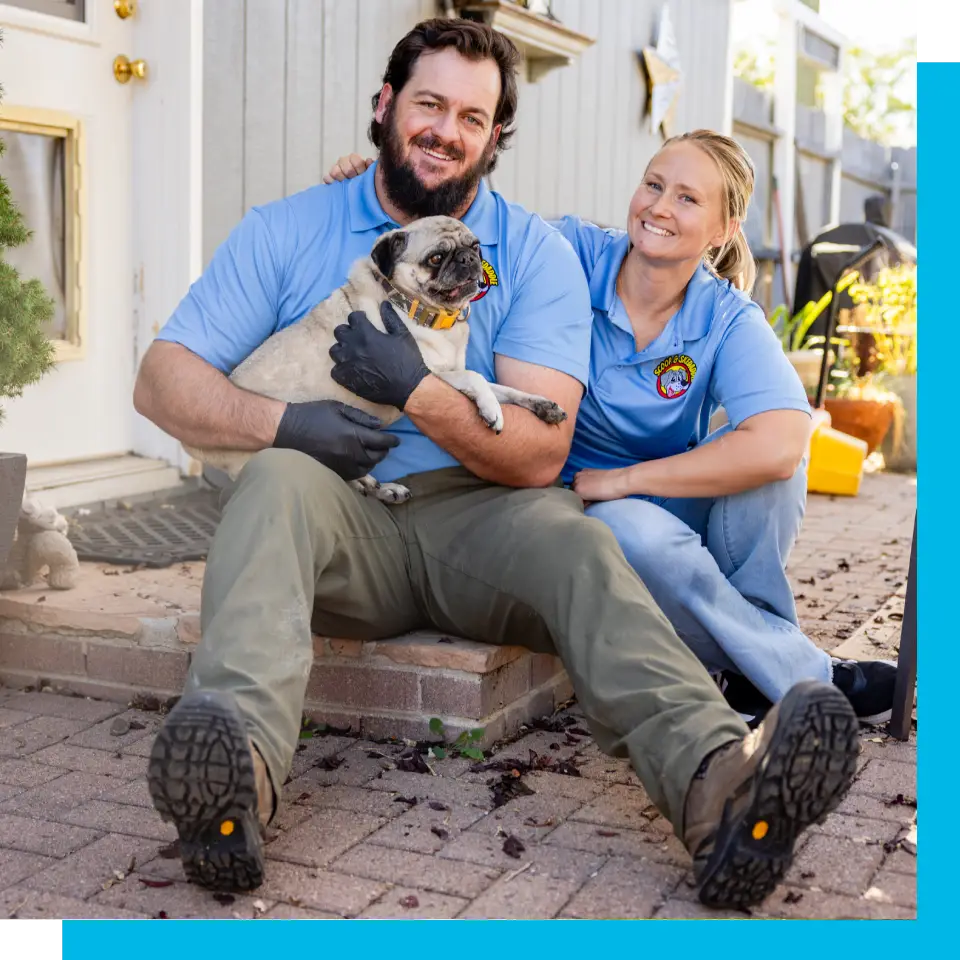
<point>674,376</point>
<point>489,280</point>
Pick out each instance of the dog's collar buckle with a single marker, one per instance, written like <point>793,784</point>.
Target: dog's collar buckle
<point>420,314</point>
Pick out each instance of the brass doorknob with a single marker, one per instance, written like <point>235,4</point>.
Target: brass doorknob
<point>125,8</point>
<point>124,69</point>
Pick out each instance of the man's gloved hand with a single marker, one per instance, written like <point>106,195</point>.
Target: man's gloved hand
<point>345,439</point>
<point>380,367</point>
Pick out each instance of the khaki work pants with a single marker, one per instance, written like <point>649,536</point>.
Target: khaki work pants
<point>298,549</point>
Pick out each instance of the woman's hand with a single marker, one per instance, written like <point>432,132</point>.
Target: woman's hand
<point>346,168</point>
<point>593,485</point>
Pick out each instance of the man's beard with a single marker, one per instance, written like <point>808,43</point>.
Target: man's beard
<point>408,192</point>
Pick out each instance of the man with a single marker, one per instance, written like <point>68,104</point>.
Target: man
<point>488,547</point>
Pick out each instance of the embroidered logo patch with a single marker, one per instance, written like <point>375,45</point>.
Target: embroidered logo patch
<point>674,376</point>
<point>489,280</point>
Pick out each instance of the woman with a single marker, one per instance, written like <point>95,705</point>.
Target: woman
<point>706,519</point>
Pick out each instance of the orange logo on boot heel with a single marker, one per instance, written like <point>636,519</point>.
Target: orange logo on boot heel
<point>226,828</point>
<point>760,829</point>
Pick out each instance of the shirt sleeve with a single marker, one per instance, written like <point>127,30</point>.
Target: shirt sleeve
<point>550,318</point>
<point>751,373</point>
<point>234,305</point>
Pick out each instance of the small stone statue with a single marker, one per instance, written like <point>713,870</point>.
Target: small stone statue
<point>41,543</point>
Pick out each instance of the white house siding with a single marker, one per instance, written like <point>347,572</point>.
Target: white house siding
<point>287,88</point>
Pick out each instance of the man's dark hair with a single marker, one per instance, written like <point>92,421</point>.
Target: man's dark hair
<point>473,40</point>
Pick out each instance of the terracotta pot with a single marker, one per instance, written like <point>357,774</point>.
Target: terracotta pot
<point>13,473</point>
<point>867,419</point>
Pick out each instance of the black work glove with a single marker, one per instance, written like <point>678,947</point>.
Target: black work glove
<point>345,439</point>
<point>380,367</point>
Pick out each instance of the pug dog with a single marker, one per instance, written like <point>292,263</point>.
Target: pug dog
<point>429,270</point>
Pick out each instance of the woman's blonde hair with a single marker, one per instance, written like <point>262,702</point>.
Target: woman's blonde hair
<point>733,261</point>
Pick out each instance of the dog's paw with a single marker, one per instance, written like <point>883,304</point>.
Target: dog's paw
<point>492,416</point>
<point>393,493</point>
<point>366,486</point>
<point>548,411</point>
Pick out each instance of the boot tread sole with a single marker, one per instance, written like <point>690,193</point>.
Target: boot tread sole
<point>805,772</point>
<point>201,778</point>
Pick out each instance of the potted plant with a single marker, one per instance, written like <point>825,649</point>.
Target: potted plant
<point>874,387</point>
<point>26,353</point>
<point>805,353</point>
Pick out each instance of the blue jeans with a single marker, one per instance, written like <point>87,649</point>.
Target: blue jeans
<point>716,567</point>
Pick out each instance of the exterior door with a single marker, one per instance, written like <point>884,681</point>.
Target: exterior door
<point>66,122</point>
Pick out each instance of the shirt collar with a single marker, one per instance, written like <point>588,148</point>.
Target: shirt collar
<point>692,320</point>
<point>366,213</point>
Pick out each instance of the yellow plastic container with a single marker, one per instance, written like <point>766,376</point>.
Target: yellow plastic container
<point>836,459</point>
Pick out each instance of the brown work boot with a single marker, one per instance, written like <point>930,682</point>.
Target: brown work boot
<point>753,797</point>
<point>207,779</point>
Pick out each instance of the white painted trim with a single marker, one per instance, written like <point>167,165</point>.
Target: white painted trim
<point>168,183</point>
<point>196,140</point>
<point>812,20</point>
<point>34,22</point>
<point>727,127</point>
<point>785,119</point>
<point>186,463</point>
<point>833,107</point>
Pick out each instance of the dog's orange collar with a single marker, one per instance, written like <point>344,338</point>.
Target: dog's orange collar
<point>420,314</point>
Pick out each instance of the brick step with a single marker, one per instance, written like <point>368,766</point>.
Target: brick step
<point>123,632</point>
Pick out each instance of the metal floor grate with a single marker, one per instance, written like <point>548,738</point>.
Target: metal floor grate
<point>155,534</point>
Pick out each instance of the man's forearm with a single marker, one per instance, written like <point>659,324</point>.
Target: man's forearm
<point>195,403</point>
<point>525,454</point>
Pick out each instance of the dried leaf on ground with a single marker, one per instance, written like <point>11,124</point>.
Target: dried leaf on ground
<point>554,724</point>
<point>171,851</point>
<point>145,702</point>
<point>328,763</point>
<point>411,761</point>
<point>513,847</point>
<point>532,822</point>
<point>507,788</point>
<point>902,800</point>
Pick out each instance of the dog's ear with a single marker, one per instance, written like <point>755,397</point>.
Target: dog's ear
<point>387,250</point>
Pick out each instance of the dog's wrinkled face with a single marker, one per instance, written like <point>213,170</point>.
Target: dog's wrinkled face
<point>435,260</point>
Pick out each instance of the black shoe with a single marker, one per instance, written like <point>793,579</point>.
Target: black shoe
<point>203,778</point>
<point>743,697</point>
<point>869,686</point>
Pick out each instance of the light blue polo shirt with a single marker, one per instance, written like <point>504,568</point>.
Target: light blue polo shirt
<point>717,350</point>
<point>287,256</point>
